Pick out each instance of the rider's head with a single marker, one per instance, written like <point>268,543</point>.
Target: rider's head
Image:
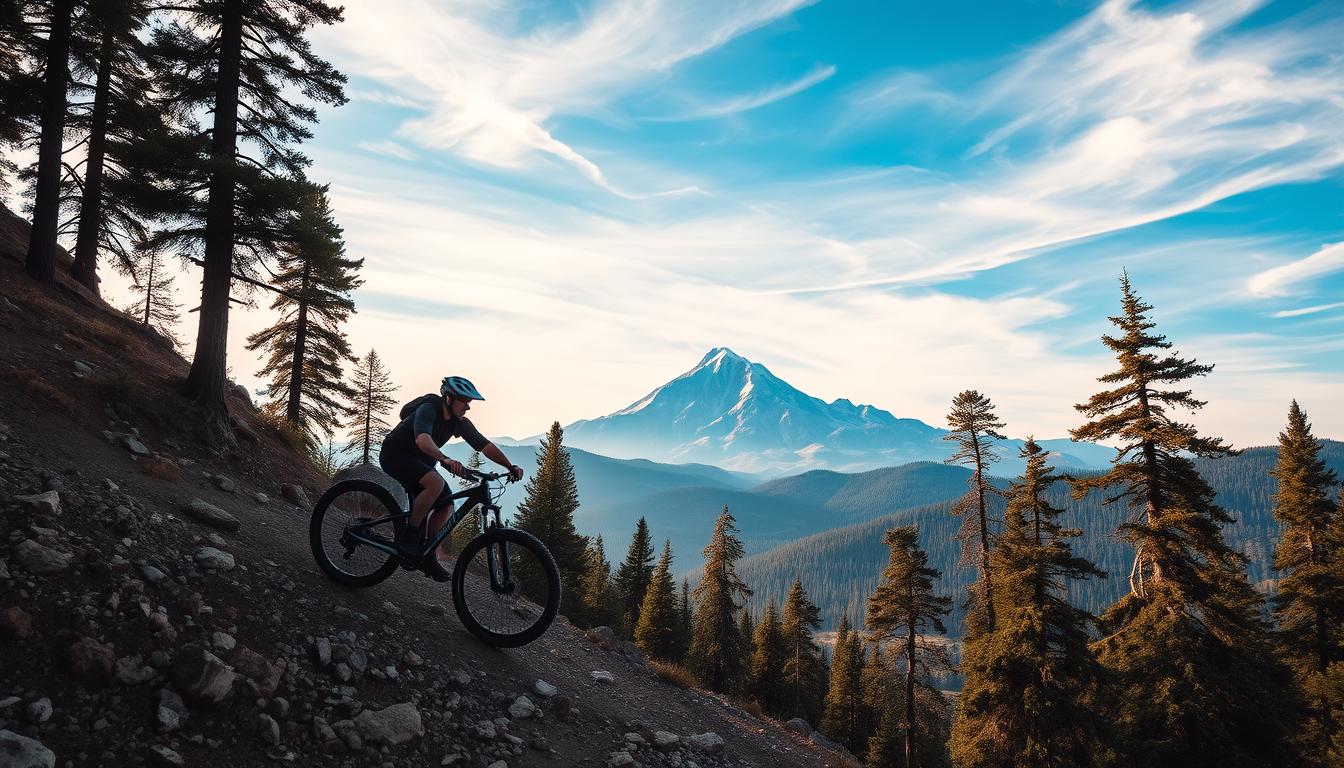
<point>457,394</point>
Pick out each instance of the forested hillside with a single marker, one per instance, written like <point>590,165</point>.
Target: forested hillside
<point>840,566</point>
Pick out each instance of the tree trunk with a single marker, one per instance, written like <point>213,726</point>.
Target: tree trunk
<point>1153,505</point>
<point>984,535</point>
<point>205,382</point>
<point>85,268</point>
<point>149,288</point>
<point>368,416</point>
<point>40,263</point>
<point>292,412</point>
<point>910,695</point>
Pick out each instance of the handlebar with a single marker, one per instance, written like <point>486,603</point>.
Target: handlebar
<point>472,474</point>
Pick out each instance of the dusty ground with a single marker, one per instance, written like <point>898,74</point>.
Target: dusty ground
<point>61,631</point>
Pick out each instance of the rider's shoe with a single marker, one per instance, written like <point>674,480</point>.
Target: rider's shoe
<point>432,568</point>
<point>411,547</point>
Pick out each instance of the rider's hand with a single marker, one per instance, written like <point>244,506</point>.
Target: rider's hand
<point>515,473</point>
<point>453,465</point>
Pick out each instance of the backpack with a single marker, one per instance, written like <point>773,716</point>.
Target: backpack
<point>409,408</point>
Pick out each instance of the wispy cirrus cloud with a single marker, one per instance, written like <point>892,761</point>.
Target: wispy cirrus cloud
<point>748,102</point>
<point>1278,281</point>
<point>1307,310</point>
<point>490,94</point>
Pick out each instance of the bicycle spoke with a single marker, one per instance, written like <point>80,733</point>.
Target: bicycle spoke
<point>348,515</point>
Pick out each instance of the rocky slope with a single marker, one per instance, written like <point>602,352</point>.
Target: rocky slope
<point>158,603</point>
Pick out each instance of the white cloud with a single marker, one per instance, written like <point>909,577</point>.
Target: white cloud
<point>388,148</point>
<point>1307,310</point>
<point>757,100</point>
<point>1279,280</point>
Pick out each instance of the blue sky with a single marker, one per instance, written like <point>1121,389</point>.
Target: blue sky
<point>890,202</point>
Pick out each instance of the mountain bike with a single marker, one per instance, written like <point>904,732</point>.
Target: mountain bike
<point>506,587</point>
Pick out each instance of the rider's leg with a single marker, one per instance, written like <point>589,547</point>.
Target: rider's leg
<point>437,521</point>
<point>431,485</point>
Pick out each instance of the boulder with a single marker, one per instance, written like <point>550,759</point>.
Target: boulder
<point>265,675</point>
<point>603,636</point>
<point>522,708</point>
<point>213,516</point>
<point>172,711</point>
<point>201,676</point>
<point>707,743</point>
<point>296,495</point>
<point>48,503</point>
<point>213,559</point>
<point>39,560</point>
<point>799,726</point>
<point>90,660</point>
<point>393,725</point>
<point>22,752</point>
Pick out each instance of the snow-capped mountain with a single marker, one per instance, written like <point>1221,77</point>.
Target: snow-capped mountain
<point>733,413</point>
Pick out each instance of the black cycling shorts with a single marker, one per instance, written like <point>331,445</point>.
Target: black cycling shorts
<point>405,468</point>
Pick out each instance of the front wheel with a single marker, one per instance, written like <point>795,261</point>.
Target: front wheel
<point>506,588</point>
<point>360,507</point>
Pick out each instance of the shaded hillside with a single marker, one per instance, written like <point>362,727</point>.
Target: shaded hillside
<point>839,567</point>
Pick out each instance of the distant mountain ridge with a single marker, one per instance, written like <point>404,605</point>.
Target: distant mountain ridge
<point>730,412</point>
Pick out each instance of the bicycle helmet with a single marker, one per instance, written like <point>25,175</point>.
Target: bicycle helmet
<point>457,386</point>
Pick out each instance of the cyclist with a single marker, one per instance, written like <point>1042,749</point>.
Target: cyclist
<point>411,450</point>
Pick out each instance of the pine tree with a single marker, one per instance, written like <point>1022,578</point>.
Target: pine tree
<point>764,683</point>
<point>307,345</point>
<point>1197,682</point>
<point>902,609</point>
<point>157,309</point>
<point>684,620</point>
<point>373,397</point>
<point>656,633</point>
<point>600,607</point>
<point>632,577</point>
<point>548,513</point>
<point>804,673</point>
<point>880,692</point>
<point>974,428</point>
<point>1309,605</point>
<point>325,456</point>
<point>746,629</point>
<point>234,187</point>
<point>844,698</point>
<point>1031,684</point>
<point>40,263</point>
<point>716,655</point>
<point>18,85</point>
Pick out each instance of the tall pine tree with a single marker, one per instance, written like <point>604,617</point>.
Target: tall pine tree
<point>306,347</point>
<point>902,610</point>
<point>656,634</point>
<point>600,605</point>
<point>40,263</point>
<point>548,513</point>
<point>844,698</point>
<point>373,397</point>
<point>18,84</point>
<point>804,671</point>
<point>1309,605</point>
<point>974,428</point>
<point>716,654</point>
<point>684,620</point>
<point>157,309</point>
<point>764,683</point>
<point>1197,682</point>
<point>633,574</point>
<point>1031,685</point>
<point>241,63</point>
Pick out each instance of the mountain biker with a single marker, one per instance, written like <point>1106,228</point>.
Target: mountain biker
<point>411,450</point>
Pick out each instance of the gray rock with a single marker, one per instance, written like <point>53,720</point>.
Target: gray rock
<point>392,725</point>
<point>166,756</point>
<point>323,650</point>
<point>90,660</point>
<point>4,571</point>
<point>296,495</point>
<point>498,764</point>
<point>264,674</point>
<point>39,560</point>
<point>48,503</point>
<point>39,711</point>
<point>708,743</point>
<point>82,369</point>
<point>484,730</point>
<point>224,484</point>
<point>603,636</point>
<point>201,676</point>
<point>212,516</point>
<point>544,689</point>
<point>22,752</point>
<point>132,670</point>
<point>261,498</point>
<point>620,760</point>
<point>665,741</point>
<point>603,676</point>
<point>223,641</point>
<point>213,559</point>
<point>152,575</point>
<point>522,708</point>
<point>270,730</point>
<point>799,726</point>
<point>134,445</point>
<point>172,711</point>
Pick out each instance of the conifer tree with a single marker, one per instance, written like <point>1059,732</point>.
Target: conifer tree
<point>1309,605</point>
<point>684,620</point>
<point>632,577</point>
<point>373,396</point>
<point>746,629</point>
<point>307,345</point>
<point>656,634</point>
<point>548,513</point>
<point>40,263</point>
<point>844,697</point>
<point>974,428</point>
<point>716,654</point>
<point>1031,684</point>
<point>804,672</point>
<point>157,309</point>
<point>903,609</point>
<point>234,186</point>
<point>18,85</point>
<point>600,606</point>
<point>1197,683</point>
<point>764,683</point>
<point>880,692</point>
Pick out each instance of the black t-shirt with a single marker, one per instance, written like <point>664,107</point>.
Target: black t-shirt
<point>428,419</point>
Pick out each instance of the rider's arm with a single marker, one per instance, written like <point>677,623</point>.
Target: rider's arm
<point>493,453</point>
<point>478,442</point>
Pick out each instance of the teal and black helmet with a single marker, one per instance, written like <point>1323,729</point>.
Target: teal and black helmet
<point>457,386</point>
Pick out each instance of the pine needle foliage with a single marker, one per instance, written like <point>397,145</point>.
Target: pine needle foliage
<point>600,605</point>
<point>804,671</point>
<point>157,309</point>
<point>373,397</point>
<point>901,611</point>
<point>1031,684</point>
<point>841,721</point>
<point>306,347</point>
<point>974,427</point>
<point>548,511</point>
<point>684,620</point>
<point>764,683</point>
<point>1197,683</point>
<point>656,634</point>
<point>18,84</point>
<point>716,653</point>
<point>633,574</point>
<point>1309,604</point>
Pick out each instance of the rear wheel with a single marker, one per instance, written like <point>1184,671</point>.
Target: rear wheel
<point>506,607</point>
<point>343,558</point>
